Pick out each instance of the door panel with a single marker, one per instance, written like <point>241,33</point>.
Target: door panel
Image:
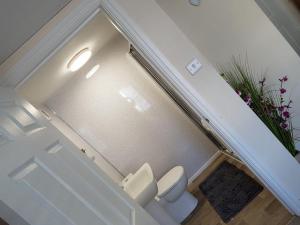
<point>46,180</point>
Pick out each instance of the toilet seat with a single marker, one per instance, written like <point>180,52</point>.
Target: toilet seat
<point>174,179</point>
<point>172,194</point>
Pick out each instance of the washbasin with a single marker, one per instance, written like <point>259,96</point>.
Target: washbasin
<point>141,186</point>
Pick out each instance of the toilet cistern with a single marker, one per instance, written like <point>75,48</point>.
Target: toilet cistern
<point>141,186</point>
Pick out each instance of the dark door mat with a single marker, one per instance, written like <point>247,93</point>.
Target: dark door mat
<point>229,190</point>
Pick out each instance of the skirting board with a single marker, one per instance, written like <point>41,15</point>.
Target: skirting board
<point>202,168</point>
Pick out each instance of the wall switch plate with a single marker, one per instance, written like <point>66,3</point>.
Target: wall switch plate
<point>194,66</point>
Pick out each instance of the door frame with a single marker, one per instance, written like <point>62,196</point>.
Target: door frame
<point>50,39</point>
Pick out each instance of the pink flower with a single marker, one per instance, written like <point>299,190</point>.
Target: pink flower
<point>282,90</point>
<point>280,108</point>
<point>283,79</point>
<point>284,125</point>
<point>286,114</point>
<point>248,100</point>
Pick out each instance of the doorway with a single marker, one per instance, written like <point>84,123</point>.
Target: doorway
<point>225,136</point>
<point>118,116</point>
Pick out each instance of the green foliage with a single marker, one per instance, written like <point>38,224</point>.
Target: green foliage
<point>269,105</point>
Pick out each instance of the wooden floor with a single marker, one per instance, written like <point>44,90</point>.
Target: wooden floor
<point>2,222</point>
<point>263,210</point>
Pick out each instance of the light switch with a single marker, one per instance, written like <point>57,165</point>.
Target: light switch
<point>194,66</point>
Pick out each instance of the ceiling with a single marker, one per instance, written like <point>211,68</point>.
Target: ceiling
<point>54,74</point>
<point>19,20</point>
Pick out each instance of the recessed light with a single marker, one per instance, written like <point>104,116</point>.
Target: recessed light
<point>79,59</point>
<point>195,2</point>
<point>92,71</point>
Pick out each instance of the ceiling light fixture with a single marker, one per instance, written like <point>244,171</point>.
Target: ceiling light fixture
<point>92,71</point>
<point>79,59</point>
<point>195,2</point>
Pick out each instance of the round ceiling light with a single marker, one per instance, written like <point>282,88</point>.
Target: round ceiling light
<point>79,59</point>
<point>195,2</point>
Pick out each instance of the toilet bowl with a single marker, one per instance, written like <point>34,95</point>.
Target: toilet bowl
<point>172,194</point>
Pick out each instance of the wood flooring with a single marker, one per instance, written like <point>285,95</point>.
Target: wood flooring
<point>265,209</point>
<point>2,222</point>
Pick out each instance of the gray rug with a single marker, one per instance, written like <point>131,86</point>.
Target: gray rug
<point>229,190</point>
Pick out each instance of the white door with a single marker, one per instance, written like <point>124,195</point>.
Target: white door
<point>46,180</point>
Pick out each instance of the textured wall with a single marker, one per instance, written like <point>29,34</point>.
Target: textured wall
<point>124,115</point>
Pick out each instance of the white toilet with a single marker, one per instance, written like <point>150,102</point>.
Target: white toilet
<point>172,194</point>
<point>166,200</point>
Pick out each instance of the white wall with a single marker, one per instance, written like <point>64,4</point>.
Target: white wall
<point>80,143</point>
<point>222,29</point>
<point>124,115</point>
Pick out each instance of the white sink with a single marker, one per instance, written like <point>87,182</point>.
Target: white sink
<point>141,186</point>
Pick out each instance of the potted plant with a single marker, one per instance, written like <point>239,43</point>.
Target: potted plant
<point>270,105</point>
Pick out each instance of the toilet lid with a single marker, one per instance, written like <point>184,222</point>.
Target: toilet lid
<point>169,180</point>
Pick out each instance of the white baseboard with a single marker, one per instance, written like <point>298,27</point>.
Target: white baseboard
<point>202,168</point>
